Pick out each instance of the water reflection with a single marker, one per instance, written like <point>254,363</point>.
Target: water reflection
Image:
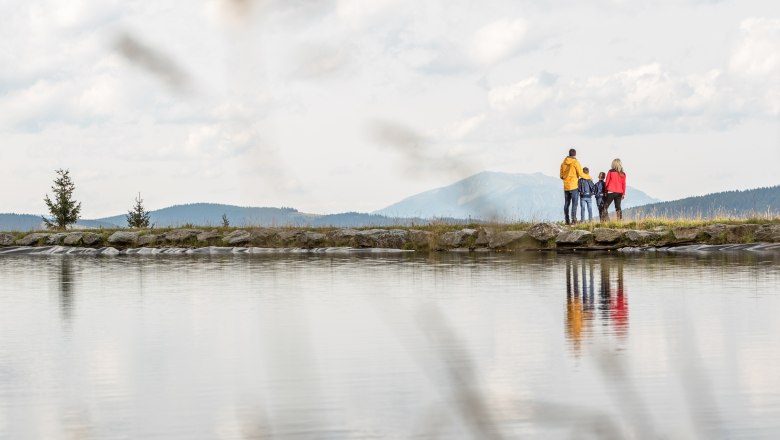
<point>580,300</point>
<point>289,347</point>
<point>65,281</point>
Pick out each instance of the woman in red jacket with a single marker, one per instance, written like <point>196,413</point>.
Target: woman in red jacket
<point>615,189</point>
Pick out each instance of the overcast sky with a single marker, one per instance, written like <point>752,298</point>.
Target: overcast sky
<point>328,106</point>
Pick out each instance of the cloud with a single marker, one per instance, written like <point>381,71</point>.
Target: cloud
<point>524,97</point>
<point>244,12</point>
<point>643,99</point>
<point>758,51</point>
<point>497,40</point>
<point>360,10</point>
<point>318,61</point>
<point>466,126</point>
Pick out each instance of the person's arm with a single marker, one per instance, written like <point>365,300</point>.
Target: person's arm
<point>624,186</point>
<point>578,167</point>
<point>563,175</point>
<point>606,182</point>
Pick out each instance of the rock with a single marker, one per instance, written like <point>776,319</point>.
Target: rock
<point>210,235</point>
<point>56,239</point>
<point>344,233</point>
<point>123,237</point>
<point>765,233</point>
<point>507,239</point>
<point>380,238</point>
<point>716,232</point>
<point>367,238</point>
<point>545,232</point>
<point>638,237</point>
<point>263,236</point>
<point>178,235</point>
<point>660,229</point>
<point>686,233</point>
<point>72,238</point>
<point>393,239</point>
<point>239,236</point>
<point>342,237</point>
<point>420,239</point>
<point>288,237</point>
<point>147,239</point>
<point>455,239</point>
<point>109,251</point>
<point>6,239</point>
<point>90,238</point>
<point>573,237</point>
<point>741,233</point>
<point>483,237</point>
<point>312,239</point>
<point>606,235</point>
<point>31,239</point>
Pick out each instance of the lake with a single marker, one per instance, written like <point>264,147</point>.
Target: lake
<point>390,346</point>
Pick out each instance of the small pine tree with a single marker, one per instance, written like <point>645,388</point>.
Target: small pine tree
<point>138,217</point>
<point>64,210</point>
<point>225,220</point>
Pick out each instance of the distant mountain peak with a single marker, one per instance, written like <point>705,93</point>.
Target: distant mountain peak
<point>494,195</point>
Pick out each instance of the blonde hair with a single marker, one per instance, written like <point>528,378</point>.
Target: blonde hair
<point>617,165</point>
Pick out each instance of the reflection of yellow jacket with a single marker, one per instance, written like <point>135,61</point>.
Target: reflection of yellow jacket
<point>571,171</point>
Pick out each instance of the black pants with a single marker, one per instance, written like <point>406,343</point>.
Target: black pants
<point>616,197</point>
<point>600,207</point>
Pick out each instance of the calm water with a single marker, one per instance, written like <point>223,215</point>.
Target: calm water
<point>533,345</point>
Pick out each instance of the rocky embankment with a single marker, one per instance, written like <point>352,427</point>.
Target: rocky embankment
<point>538,237</point>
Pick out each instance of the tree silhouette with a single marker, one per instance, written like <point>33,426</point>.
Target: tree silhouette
<point>138,217</point>
<point>64,210</point>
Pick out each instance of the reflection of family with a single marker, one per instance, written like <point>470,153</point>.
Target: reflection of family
<point>612,303</point>
<point>578,188</point>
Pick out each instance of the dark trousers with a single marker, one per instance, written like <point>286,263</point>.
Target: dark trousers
<point>600,207</point>
<point>616,197</point>
<point>571,200</point>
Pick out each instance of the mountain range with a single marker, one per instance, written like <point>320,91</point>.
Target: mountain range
<point>759,202</point>
<point>489,196</point>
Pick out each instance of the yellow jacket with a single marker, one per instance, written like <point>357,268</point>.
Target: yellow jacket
<point>571,171</point>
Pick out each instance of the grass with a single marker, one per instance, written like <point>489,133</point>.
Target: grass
<point>441,227</point>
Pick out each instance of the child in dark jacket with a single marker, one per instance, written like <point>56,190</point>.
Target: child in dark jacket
<point>587,190</point>
<point>600,195</point>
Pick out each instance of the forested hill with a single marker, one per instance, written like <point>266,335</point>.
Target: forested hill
<point>747,203</point>
<point>210,214</point>
<point>20,222</point>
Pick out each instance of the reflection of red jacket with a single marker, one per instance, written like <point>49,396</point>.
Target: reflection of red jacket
<point>619,312</point>
<point>615,182</point>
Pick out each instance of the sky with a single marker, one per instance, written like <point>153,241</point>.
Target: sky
<point>352,105</point>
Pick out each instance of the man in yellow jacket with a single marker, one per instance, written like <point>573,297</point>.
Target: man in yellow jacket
<point>571,171</point>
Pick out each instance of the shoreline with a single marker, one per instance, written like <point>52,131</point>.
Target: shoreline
<point>448,238</point>
<point>221,250</point>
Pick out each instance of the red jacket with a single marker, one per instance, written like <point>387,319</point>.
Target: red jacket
<point>615,182</point>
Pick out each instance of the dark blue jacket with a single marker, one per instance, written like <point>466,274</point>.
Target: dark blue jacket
<point>586,187</point>
<point>599,189</point>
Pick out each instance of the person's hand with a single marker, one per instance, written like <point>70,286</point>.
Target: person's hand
<point>623,198</point>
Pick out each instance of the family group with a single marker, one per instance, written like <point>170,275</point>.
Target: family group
<point>578,186</point>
